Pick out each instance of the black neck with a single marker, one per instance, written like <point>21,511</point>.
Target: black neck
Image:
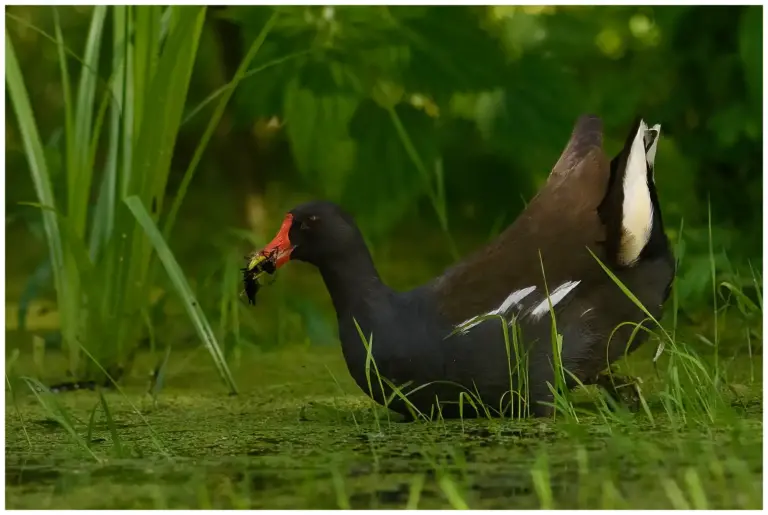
<point>352,280</point>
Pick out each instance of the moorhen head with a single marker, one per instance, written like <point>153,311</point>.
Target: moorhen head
<point>448,341</point>
<point>319,233</point>
<point>322,234</point>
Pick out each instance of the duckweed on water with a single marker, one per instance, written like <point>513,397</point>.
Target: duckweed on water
<point>300,435</point>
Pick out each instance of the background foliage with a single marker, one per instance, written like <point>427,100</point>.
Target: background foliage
<point>432,125</point>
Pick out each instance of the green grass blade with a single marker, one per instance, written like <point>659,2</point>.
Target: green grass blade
<point>414,492</point>
<point>41,180</point>
<point>79,177</point>
<point>126,93</point>
<point>163,104</point>
<point>185,292</point>
<point>102,220</point>
<point>744,303</point>
<point>451,492</point>
<point>713,273</point>
<point>165,24</point>
<point>231,85</point>
<point>341,390</point>
<point>369,360</point>
<point>338,485</point>
<point>162,371</point>
<point>118,152</point>
<point>116,441</point>
<point>542,483</point>
<point>678,253</point>
<point>631,296</point>
<point>413,155</point>
<point>674,494</point>
<point>757,283</point>
<point>104,213</point>
<point>35,156</point>
<point>91,424</point>
<point>213,122</point>
<point>147,30</point>
<point>69,128</point>
<point>99,123</point>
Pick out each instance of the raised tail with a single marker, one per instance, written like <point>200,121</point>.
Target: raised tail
<point>586,138</point>
<point>630,209</point>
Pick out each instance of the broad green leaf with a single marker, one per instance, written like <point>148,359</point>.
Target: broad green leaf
<point>450,51</point>
<point>317,127</point>
<point>385,182</point>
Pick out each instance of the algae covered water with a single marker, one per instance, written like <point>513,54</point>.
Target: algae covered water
<point>301,435</point>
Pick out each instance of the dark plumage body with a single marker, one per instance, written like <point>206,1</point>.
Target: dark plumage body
<point>418,338</point>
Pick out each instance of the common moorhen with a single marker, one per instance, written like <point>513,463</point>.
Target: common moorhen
<point>434,342</point>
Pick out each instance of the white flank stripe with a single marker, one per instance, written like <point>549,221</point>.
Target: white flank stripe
<point>512,299</point>
<point>555,297</point>
<point>637,210</point>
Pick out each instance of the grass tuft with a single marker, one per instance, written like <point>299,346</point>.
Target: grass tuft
<point>55,411</point>
<point>117,445</point>
<point>186,295</point>
<point>18,412</point>
<point>102,259</point>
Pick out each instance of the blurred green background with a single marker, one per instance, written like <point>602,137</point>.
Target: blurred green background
<point>432,125</point>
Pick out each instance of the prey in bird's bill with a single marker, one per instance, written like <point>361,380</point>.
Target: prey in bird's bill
<point>259,264</point>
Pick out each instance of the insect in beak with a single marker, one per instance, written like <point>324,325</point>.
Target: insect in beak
<point>259,264</point>
<point>267,260</point>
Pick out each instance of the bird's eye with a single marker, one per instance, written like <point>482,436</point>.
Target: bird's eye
<point>305,224</point>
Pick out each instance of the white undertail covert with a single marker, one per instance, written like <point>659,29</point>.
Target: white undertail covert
<point>637,209</point>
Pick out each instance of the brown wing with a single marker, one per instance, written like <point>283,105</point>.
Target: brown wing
<point>558,222</point>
